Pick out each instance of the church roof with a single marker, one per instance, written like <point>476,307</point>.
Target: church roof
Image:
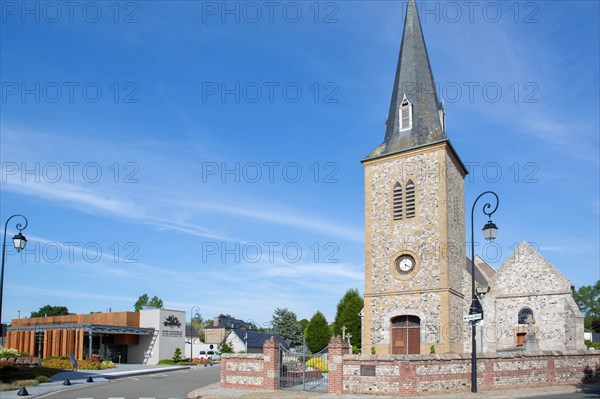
<point>484,267</point>
<point>414,80</point>
<point>482,271</point>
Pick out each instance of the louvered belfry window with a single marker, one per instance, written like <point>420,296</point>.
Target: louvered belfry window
<point>397,202</point>
<point>405,114</point>
<point>410,199</point>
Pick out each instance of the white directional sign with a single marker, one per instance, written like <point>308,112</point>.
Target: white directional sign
<point>471,317</point>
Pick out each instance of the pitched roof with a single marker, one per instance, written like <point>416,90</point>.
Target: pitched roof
<point>189,330</point>
<point>481,271</point>
<point>415,80</point>
<point>256,339</point>
<point>227,321</point>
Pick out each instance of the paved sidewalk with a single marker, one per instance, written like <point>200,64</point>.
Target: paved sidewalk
<point>214,391</point>
<point>78,378</point>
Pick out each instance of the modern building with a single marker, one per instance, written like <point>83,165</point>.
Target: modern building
<point>143,337</point>
<point>416,293</point>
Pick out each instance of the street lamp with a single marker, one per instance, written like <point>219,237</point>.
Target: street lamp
<point>19,241</point>
<point>192,313</point>
<point>489,233</point>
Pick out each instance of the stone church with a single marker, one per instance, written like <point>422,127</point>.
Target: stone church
<point>417,276</point>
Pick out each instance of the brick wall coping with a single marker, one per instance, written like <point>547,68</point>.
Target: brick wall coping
<point>256,356</point>
<point>466,356</point>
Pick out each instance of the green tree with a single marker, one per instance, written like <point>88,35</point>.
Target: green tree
<point>347,315</point>
<point>588,300</point>
<point>284,323</point>
<point>177,355</point>
<point>144,300</point>
<point>224,346</point>
<point>51,311</point>
<point>304,324</point>
<point>318,333</point>
<point>198,323</point>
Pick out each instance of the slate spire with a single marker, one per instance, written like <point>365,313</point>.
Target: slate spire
<point>415,88</point>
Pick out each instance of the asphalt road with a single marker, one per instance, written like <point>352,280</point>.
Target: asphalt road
<point>174,384</point>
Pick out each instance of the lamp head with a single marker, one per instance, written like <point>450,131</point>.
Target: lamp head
<point>490,230</point>
<point>19,242</point>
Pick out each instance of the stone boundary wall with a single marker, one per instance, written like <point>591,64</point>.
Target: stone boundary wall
<point>242,371</point>
<point>252,371</point>
<point>415,375</point>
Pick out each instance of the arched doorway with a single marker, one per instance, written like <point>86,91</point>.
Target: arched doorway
<point>406,335</point>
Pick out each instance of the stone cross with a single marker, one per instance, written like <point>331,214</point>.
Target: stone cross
<point>529,321</point>
<point>344,333</point>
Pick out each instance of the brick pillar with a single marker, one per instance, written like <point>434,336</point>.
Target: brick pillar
<point>335,351</point>
<point>271,364</point>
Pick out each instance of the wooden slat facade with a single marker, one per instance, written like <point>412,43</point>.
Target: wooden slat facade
<point>59,342</point>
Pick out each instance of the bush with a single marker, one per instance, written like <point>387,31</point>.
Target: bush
<point>318,363</point>
<point>107,364</point>
<point>177,355</point>
<point>43,378</point>
<point>5,352</point>
<point>57,363</point>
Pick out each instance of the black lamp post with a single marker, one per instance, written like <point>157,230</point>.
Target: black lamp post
<point>19,241</point>
<point>489,233</point>
<point>192,314</point>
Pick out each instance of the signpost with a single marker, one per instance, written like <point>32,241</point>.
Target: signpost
<point>472,317</point>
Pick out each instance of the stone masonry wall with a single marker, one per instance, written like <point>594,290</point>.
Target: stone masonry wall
<point>435,374</point>
<point>242,371</point>
<point>411,375</point>
<point>435,239</point>
<point>527,279</point>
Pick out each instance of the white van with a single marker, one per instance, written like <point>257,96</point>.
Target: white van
<point>212,355</point>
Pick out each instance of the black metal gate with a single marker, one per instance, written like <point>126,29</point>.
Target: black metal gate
<point>303,371</point>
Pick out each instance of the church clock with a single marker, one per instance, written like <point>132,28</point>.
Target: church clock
<point>405,264</point>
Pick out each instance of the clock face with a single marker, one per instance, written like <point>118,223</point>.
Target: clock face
<point>405,263</point>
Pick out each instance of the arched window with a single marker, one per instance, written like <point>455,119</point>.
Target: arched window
<point>397,202</point>
<point>524,314</point>
<point>405,114</point>
<point>410,199</point>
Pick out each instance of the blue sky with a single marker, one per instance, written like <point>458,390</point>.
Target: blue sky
<point>209,152</point>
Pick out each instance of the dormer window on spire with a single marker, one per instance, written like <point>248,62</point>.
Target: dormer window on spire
<point>405,114</point>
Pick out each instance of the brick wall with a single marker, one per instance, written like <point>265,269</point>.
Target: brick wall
<point>435,374</point>
<point>412,375</point>
<point>252,371</point>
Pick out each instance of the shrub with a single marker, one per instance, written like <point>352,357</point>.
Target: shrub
<point>43,378</point>
<point>57,363</point>
<point>6,352</point>
<point>177,355</point>
<point>89,364</point>
<point>107,364</point>
<point>318,363</point>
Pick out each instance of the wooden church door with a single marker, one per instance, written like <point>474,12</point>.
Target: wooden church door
<point>406,335</point>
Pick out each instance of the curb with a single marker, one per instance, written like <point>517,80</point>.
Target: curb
<point>113,376</point>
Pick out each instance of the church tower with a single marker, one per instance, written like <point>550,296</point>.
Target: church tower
<point>414,217</point>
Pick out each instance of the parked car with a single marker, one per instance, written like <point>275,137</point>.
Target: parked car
<point>212,355</point>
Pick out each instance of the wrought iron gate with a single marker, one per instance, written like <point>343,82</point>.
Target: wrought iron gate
<point>303,371</point>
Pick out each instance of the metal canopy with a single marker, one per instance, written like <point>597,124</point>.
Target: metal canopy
<point>94,328</point>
